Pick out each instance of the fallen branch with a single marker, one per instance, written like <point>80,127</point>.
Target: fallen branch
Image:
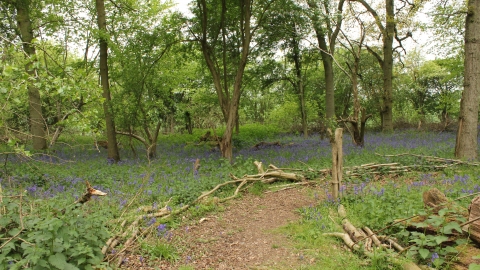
<point>432,158</point>
<point>351,233</point>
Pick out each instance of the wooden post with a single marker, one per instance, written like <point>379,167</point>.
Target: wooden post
<point>337,161</point>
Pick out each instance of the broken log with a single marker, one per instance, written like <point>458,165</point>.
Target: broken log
<point>474,213</point>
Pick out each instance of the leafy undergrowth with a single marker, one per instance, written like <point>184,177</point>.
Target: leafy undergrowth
<point>382,202</point>
<point>39,228</point>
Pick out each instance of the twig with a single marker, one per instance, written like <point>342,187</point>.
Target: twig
<point>381,230</point>
<point>470,221</point>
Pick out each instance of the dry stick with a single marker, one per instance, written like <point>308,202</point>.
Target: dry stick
<point>470,221</point>
<point>373,236</point>
<point>466,196</point>
<point>392,243</point>
<point>217,187</point>
<point>289,186</point>
<point>346,238</point>
<point>381,230</point>
<point>433,158</point>
<point>120,260</point>
<point>236,192</point>
<point>405,219</point>
<point>135,230</point>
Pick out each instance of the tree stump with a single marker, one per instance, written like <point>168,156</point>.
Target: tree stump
<point>434,199</point>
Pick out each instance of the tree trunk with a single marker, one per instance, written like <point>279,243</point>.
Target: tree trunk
<point>466,144</point>
<point>327,50</point>
<point>388,34</point>
<point>237,124</point>
<point>37,127</point>
<point>229,100</point>
<point>188,122</point>
<point>107,106</point>
<point>387,115</point>
<point>299,80</point>
<point>327,61</point>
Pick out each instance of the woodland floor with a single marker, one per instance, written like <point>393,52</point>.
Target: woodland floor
<point>242,236</point>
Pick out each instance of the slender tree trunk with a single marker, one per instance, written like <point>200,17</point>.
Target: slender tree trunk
<point>299,80</point>
<point>188,122</point>
<point>37,126</point>
<point>327,50</point>
<point>107,106</point>
<point>327,61</point>
<point>387,114</point>
<point>229,101</point>
<point>237,124</point>
<point>466,144</point>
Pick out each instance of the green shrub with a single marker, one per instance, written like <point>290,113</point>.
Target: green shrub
<point>58,239</point>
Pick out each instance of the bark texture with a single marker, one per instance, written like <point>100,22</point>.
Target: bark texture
<point>326,38</point>
<point>37,126</point>
<point>388,36</point>
<point>466,144</point>
<point>113,153</point>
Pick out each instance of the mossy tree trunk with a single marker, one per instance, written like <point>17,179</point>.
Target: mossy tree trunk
<point>37,123</point>
<point>113,153</point>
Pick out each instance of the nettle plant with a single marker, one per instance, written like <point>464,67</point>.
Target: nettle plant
<point>436,244</point>
<point>47,238</point>
<point>431,237</point>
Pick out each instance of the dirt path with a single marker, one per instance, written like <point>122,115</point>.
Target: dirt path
<point>240,237</point>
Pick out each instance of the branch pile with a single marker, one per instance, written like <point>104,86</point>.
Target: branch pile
<point>365,241</point>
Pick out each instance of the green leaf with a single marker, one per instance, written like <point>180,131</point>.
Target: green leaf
<point>440,239</point>
<point>474,266</point>
<point>58,260</point>
<point>420,224</point>
<point>424,253</point>
<point>451,226</point>
<point>14,231</point>
<point>450,250</point>
<point>438,262</point>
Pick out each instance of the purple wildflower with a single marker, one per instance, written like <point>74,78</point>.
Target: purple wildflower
<point>151,222</point>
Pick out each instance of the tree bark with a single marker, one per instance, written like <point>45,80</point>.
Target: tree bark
<point>107,107</point>
<point>37,126</point>
<point>327,51</point>
<point>388,36</point>
<point>466,143</point>
<point>299,79</point>
<point>229,101</point>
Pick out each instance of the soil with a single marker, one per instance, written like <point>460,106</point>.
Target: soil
<point>244,235</point>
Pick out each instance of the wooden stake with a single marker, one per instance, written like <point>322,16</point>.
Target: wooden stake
<point>337,161</point>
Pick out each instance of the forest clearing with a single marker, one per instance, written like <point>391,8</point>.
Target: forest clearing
<point>217,134</point>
